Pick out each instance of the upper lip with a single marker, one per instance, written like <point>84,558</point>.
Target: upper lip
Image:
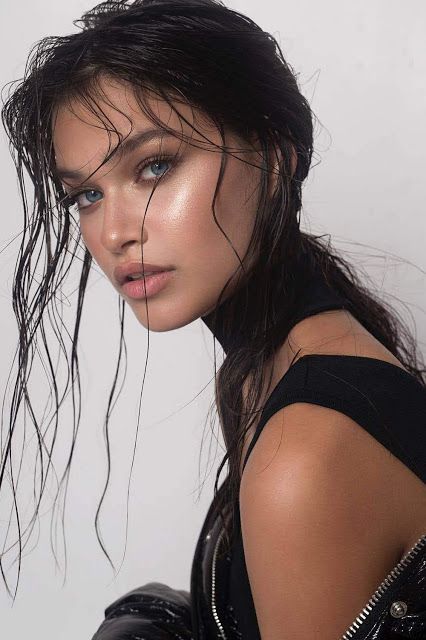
<point>129,268</point>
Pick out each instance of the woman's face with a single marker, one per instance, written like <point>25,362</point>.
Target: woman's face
<point>179,231</point>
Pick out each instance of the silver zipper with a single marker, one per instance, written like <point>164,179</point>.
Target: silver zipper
<point>381,590</point>
<point>213,596</point>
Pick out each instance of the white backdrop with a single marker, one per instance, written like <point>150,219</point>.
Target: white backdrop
<point>363,67</point>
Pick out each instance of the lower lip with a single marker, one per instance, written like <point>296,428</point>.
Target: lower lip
<point>153,284</point>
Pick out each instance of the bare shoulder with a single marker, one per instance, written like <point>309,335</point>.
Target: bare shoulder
<point>311,444</point>
<point>338,332</point>
<point>318,503</point>
<point>309,447</point>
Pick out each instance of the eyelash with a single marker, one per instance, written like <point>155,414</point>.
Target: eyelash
<point>71,199</point>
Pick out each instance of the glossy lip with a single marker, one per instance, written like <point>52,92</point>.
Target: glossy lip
<point>146,287</point>
<point>122,271</point>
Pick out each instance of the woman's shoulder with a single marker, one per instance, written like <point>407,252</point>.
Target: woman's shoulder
<point>306,447</point>
<point>332,334</point>
<point>319,446</point>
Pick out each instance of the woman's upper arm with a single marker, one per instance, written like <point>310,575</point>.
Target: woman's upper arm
<point>318,526</point>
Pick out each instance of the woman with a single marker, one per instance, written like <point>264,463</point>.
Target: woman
<point>177,134</point>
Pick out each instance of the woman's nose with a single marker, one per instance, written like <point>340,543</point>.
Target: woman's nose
<point>121,224</point>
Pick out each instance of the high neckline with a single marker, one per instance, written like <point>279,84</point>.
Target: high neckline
<point>316,296</point>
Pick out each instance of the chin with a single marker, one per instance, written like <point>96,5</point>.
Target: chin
<point>161,320</point>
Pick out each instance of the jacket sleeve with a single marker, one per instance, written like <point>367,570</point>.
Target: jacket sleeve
<point>154,611</point>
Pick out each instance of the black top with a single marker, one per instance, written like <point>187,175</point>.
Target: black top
<point>384,399</point>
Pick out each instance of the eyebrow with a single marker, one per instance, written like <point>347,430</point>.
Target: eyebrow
<point>127,147</point>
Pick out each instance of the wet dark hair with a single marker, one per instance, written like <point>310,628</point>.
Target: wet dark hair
<point>219,61</point>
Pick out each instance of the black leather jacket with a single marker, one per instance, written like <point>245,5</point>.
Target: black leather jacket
<point>397,609</point>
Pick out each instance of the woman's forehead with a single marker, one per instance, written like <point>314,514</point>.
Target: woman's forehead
<point>118,108</point>
<point>87,129</point>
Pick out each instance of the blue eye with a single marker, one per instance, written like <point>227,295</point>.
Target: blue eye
<point>87,194</point>
<point>155,162</point>
<point>73,199</point>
